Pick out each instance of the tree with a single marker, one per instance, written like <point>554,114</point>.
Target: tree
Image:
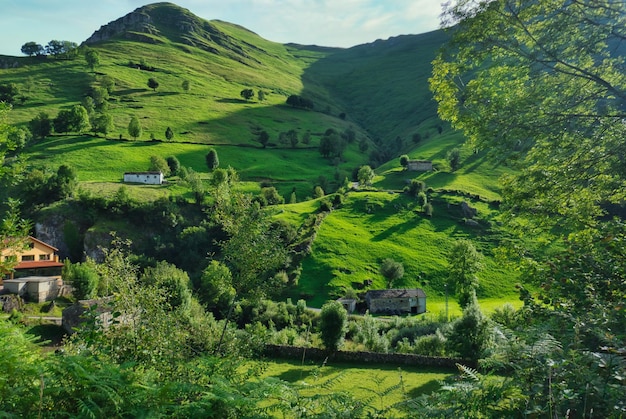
<point>263,138</point>
<point>292,136</point>
<point>100,97</point>
<point>19,137</point>
<point>107,83</point>
<point>173,164</point>
<point>169,134</point>
<point>89,105</point>
<point>159,164</point>
<point>428,209</point>
<point>332,144</point>
<point>84,279</point>
<point>173,281</point>
<point>271,196</point>
<point>62,49</point>
<point>32,48</point>
<point>511,79</point>
<point>318,192</point>
<point>215,288</point>
<point>299,102</point>
<point>92,57</point>
<point>247,94</point>
<point>196,185</point>
<point>134,128</point>
<point>13,232</point>
<point>253,251</point>
<point>416,186</point>
<point>212,160</point>
<point>260,95</point>
<point>392,271</point>
<point>454,159</point>
<point>422,199</point>
<point>469,335</point>
<point>101,123</point>
<point>463,263</point>
<point>333,323</point>
<point>365,175</point>
<point>9,92</point>
<point>75,119</point>
<point>186,85</point>
<point>63,184</point>
<point>404,161</point>
<point>153,83</point>
<point>41,125</point>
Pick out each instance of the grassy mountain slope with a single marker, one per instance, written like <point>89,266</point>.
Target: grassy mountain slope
<point>381,87</point>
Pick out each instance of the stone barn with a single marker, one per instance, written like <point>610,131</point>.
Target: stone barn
<point>396,301</point>
<point>420,165</point>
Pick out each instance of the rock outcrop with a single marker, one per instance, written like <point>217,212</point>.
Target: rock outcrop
<point>167,22</point>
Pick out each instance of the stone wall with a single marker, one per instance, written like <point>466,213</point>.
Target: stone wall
<point>293,352</point>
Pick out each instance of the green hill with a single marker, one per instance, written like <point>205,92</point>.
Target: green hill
<point>379,91</point>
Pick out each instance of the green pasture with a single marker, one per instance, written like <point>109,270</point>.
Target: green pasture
<point>372,226</point>
<point>369,383</point>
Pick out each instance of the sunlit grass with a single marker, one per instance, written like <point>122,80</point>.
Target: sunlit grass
<point>367,383</point>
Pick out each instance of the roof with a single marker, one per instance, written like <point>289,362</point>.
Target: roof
<point>30,279</point>
<point>38,264</point>
<point>397,293</point>
<point>43,243</point>
<point>143,173</point>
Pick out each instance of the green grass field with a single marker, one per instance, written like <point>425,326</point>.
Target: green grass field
<point>372,226</point>
<point>373,384</point>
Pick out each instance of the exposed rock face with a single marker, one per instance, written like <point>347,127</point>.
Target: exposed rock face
<point>137,21</point>
<point>51,232</point>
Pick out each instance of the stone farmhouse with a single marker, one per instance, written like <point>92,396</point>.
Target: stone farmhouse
<point>147,178</point>
<point>396,301</point>
<point>419,165</point>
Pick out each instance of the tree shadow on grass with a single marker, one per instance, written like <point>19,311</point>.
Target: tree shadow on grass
<point>427,388</point>
<point>47,334</point>
<point>232,100</point>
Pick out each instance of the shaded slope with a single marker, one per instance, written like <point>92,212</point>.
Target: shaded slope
<point>383,86</point>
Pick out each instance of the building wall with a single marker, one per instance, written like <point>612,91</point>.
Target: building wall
<point>146,178</point>
<point>36,252</point>
<point>420,165</point>
<point>378,305</point>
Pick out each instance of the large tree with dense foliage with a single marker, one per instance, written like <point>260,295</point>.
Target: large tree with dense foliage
<point>464,262</point>
<point>32,48</point>
<point>134,128</point>
<point>543,85</point>
<point>333,324</point>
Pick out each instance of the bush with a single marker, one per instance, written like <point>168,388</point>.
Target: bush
<point>431,345</point>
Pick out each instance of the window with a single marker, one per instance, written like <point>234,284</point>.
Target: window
<point>44,257</point>
<point>28,258</point>
<point>10,258</point>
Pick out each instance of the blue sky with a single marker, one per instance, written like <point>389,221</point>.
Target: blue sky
<point>336,23</point>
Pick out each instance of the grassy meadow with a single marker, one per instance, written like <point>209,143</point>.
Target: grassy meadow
<point>379,385</point>
<point>379,90</point>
